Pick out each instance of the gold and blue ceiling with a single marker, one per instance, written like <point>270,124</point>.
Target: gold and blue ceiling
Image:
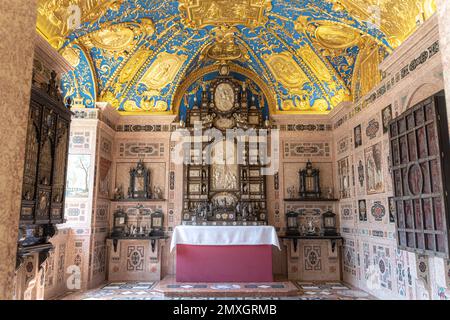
<point>311,54</point>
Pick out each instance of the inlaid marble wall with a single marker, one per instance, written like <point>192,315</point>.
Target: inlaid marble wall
<point>371,260</point>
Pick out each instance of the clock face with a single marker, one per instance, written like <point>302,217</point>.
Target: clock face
<point>224,97</point>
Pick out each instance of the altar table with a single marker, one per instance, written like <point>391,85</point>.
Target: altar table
<point>224,253</point>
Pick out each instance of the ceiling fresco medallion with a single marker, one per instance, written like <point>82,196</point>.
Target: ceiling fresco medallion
<point>118,37</point>
<point>286,70</point>
<point>200,13</point>
<point>336,36</point>
<point>162,71</point>
<point>72,55</point>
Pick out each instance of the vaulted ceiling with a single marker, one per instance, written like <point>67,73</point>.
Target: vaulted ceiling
<point>312,54</point>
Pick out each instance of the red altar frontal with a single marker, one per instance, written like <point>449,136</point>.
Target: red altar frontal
<point>224,254</point>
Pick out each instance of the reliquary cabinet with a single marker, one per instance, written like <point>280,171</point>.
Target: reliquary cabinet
<point>226,192</point>
<point>44,178</point>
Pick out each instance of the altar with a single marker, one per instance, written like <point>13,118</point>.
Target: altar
<point>224,253</point>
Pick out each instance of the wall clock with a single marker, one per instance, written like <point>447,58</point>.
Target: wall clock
<point>224,97</point>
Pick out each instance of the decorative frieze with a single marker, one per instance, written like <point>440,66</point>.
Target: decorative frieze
<point>306,150</point>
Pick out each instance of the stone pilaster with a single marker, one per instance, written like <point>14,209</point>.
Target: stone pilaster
<point>444,35</point>
<point>17,31</point>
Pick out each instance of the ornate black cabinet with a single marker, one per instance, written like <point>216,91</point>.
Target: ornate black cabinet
<point>45,169</point>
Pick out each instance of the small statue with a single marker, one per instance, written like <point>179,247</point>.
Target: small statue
<point>118,193</point>
<point>241,122</point>
<point>52,86</point>
<point>311,228</point>
<point>157,192</point>
<point>208,120</point>
<point>291,192</point>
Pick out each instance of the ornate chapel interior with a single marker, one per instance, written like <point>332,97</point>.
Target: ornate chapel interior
<point>197,147</point>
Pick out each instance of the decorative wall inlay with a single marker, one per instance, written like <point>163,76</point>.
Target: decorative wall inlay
<point>372,128</point>
<point>79,140</point>
<point>381,259</point>
<point>106,145</point>
<point>172,180</point>
<point>313,258</point>
<point>361,173</point>
<point>306,127</point>
<point>50,269</point>
<point>141,150</point>
<point>61,262</point>
<point>102,212</point>
<point>85,113</point>
<point>374,174</point>
<point>346,212</point>
<point>135,258</point>
<point>349,257</point>
<point>99,256</point>
<point>378,211</point>
<point>423,270</point>
<point>357,136</point>
<point>145,128</point>
<point>343,145</point>
<point>366,260</point>
<point>401,271</point>
<point>75,211</point>
<point>276,181</point>
<point>306,149</point>
<point>344,178</point>
<point>362,207</point>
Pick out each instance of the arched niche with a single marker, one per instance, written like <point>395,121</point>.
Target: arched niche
<point>268,94</point>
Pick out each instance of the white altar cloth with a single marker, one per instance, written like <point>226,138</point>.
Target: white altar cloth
<point>224,236</point>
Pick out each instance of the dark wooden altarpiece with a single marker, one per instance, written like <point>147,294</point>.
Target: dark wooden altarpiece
<point>227,194</point>
<point>44,180</point>
<point>419,142</point>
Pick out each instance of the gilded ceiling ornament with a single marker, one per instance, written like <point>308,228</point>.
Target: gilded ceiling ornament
<point>135,62</point>
<point>397,19</point>
<point>163,70</point>
<point>224,47</point>
<point>336,36</point>
<point>72,55</point>
<point>118,37</point>
<point>200,13</point>
<point>57,18</point>
<point>316,65</point>
<point>286,70</point>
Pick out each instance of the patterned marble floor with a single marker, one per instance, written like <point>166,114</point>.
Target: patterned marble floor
<point>163,290</point>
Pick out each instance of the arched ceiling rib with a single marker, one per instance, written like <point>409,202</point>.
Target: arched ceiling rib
<point>306,50</point>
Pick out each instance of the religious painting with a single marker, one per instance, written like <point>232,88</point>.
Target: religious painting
<point>224,177</point>
<point>386,116</point>
<point>357,136</point>
<point>79,166</point>
<point>374,172</point>
<point>344,178</point>
<point>224,97</point>
<point>224,168</point>
<point>362,210</point>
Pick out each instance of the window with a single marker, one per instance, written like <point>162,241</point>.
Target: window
<point>419,141</point>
